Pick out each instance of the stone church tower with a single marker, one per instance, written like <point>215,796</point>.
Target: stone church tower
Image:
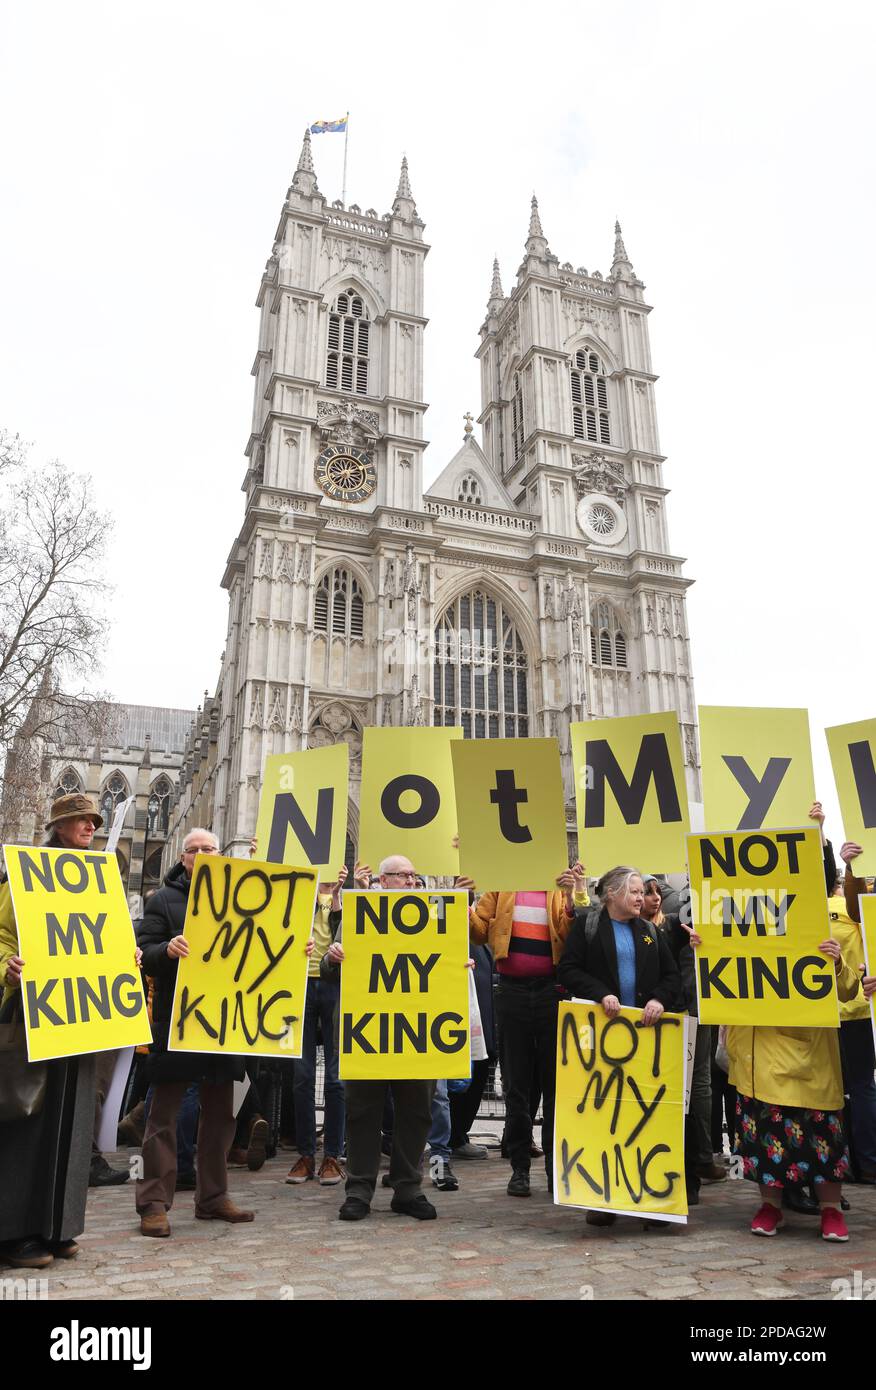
<point>531,585</point>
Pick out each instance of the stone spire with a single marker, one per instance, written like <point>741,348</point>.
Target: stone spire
<point>497,294</point>
<point>404,206</point>
<point>536,241</point>
<point>621,266</point>
<point>304,178</point>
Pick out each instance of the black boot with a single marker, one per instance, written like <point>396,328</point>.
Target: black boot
<point>796,1198</point>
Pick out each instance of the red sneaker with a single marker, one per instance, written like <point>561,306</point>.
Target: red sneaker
<point>833,1227</point>
<point>767,1221</point>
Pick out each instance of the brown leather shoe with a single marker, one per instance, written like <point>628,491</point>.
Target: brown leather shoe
<point>330,1172</point>
<point>236,1158</point>
<point>303,1170</point>
<point>154,1224</point>
<point>225,1211</point>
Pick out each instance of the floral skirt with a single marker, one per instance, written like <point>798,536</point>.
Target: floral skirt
<point>786,1144</point>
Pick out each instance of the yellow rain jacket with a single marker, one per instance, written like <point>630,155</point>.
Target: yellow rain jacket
<point>792,1066</point>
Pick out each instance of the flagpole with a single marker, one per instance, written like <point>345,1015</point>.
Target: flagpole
<point>346,141</point>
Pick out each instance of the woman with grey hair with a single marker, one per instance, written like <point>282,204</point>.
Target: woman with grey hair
<point>617,958</point>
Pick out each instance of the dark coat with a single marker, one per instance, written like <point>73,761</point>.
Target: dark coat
<point>682,953</point>
<point>164,917</point>
<point>588,968</point>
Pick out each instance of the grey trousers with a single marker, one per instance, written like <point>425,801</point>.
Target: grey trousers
<point>413,1120</point>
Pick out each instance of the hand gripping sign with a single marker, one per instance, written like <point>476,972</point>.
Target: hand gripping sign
<point>81,989</point>
<point>241,988</point>
<point>619,1119</point>
<point>759,903</point>
<point>404,987</point>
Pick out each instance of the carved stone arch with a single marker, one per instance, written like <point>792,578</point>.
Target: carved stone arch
<point>499,587</point>
<point>347,280</point>
<point>358,571</point>
<point>68,783</point>
<point>507,380</point>
<point>114,789</point>
<point>585,338</point>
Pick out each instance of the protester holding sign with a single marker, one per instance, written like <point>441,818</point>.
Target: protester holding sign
<point>377,1053</point>
<point>45,1157</point>
<point>856,1037</point>
<point>320,1008</point>
<point>617,959</point>
<point>526,933</point>
<point>789,1126</point>
<point>163,943</point>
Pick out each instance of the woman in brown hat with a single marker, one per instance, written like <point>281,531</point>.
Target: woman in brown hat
<point>45,1159</point>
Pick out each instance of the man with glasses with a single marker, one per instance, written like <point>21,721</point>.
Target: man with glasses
<point>364,1102</point>
<point>160,935</point>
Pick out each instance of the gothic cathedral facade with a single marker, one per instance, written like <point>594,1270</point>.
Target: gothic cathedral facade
<point>530,586</point>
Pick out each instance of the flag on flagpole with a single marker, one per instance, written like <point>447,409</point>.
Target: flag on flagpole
<point>326,127</point>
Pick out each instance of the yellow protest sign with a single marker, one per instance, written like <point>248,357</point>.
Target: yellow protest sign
<point>303,809</point>
<point>404,987</point>
<point>630,792</point>
<point>407,798</point>
<point>853,757</point>
<point>241,987</point>
<point>512,819</point>
<point>868,932</point>
<point>757,766</point>
<point>80,987</point>
<point>758,901</point>
<point>619,1119</point>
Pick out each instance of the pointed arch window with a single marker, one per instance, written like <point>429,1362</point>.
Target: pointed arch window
<point>518,424</point>
<point>591,417</point>
<point>608,642</point>
<point>69,784</point>
<point>481,669</point>
<point>158,809</point>
<point>339,606</point>
<point>115,791</point>
<point>349,342</point>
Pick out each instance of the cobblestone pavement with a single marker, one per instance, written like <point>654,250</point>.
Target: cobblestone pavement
<point>483,1245</point>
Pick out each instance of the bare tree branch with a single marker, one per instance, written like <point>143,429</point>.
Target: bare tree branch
<point>52,547</point>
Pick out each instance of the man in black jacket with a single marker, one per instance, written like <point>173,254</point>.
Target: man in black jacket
<point>163,943</point>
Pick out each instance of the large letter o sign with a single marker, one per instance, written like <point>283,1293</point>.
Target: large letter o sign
<point>427,810</point>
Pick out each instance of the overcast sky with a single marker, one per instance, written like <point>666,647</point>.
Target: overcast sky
<point>146,156</point>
